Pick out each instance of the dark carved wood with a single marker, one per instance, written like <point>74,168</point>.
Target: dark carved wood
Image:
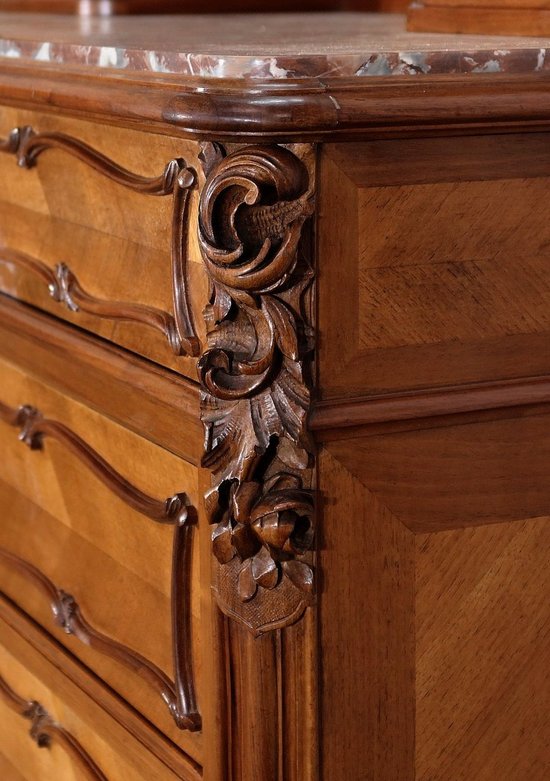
<point>180,695</point>
<point>177,180</point>
<point>254,378</point>
<point>44,730</point>
<point>64,287</point>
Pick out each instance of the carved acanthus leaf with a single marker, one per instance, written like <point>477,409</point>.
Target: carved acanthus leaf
<point>255,396</point>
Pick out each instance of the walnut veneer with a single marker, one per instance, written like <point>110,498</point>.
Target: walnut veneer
<point>274,402</point>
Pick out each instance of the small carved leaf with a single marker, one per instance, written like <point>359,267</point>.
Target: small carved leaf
<point>284,326</point>
<point>222,543</point>
<point>211,155</point>
<point>282,481</point>
<point>293,456</point>
<point>245,541</point>
<point>300,574</point>
<point>221,303</point>
<point>243,500</point>
<point>264,570</point>
<point>247,584</point>
<point>275,530</point>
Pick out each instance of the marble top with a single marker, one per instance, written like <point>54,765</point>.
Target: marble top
<point>263,46</point>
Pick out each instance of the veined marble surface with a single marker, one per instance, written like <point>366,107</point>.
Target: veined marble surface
<point>263,46</point>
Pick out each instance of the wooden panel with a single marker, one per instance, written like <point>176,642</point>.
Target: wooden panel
<point>157,404</point>
<point>435,622</point>
<point>495,17</point>
<point>483,653</point>
<point>117,242</point>
<point>366,613</point>
<point>457,475</point>
<point>114,561</point>
<point>441,263</point>
<point>116,753</point>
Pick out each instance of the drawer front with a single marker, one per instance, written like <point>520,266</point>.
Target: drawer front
<point>91,549</point>
<point>93,228</point>
<point>51,731</point>
<point>438,275</point>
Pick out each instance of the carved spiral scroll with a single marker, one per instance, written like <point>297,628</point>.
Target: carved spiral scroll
<point>254,378</point>
<point>44,730</point>
<point>177,179</point>
<point>180,694</point>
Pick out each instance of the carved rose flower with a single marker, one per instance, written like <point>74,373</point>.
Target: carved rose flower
<point>267,527</point>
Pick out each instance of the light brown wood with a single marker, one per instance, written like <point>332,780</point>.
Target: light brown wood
<point>155,404</point>
<point>106,554</point>
<point>463,299</point>
<point>434,619</point>
<point>155,742</point>
<point>383,582</point>
<point>114,240</point>
<point>100,735</point>
<point>494,17</point>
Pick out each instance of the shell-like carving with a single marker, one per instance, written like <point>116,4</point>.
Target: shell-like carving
<point>255,398</point>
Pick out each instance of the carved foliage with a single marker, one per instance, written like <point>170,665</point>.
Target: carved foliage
<point>255,395</point>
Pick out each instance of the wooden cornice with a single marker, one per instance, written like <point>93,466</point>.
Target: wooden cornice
<point>290,109</point>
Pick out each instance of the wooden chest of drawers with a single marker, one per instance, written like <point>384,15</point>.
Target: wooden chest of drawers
<point>274,403</point>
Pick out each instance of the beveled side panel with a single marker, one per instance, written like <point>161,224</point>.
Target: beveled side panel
<point>115,241</point>
<point>483,653</point>
<point>434,263</point>
<point>88,541</point>
<point>366,616</point>
<point>105,742</point>
<point>435,552</point>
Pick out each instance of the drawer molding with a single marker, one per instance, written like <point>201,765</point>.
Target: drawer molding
<point>179,695</point>
<point>64,287</point>
<point>177,180</point>
<point>255,403</point>
<point>44,730</point>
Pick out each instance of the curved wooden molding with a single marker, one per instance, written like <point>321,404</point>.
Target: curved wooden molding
<point>177,180</point>
<point>179,695</point>
<point>255,394</point>
<point>64,287</point>
<point>44,730</point>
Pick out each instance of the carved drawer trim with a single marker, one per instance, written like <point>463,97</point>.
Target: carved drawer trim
<point>44,730</point>
<point>179,695</point>
<point>176,180</point>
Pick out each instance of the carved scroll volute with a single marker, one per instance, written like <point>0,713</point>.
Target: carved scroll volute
<point>254,377</point>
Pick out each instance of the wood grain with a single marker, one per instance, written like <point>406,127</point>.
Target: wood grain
<point>87,201</point>
<point>155,744</point>
<point>500,17</point>
<point>461,300</point>
<point>44,730</point>
<point>483,653</point>
<point>449,476</point>
<point>451,614</point>
<point>366,615</point>
<point>108,555</point>
<point>157,404</point>
<point>101,736</point>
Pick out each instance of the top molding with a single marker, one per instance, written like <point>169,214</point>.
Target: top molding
<point>373,79</point>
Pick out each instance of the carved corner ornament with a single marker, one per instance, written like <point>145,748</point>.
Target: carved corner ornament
<point>255,381</point>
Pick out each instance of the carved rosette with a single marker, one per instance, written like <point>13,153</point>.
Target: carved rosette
<point>255,384</point>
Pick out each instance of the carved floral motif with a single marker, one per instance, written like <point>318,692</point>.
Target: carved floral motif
<point>255,394</point>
